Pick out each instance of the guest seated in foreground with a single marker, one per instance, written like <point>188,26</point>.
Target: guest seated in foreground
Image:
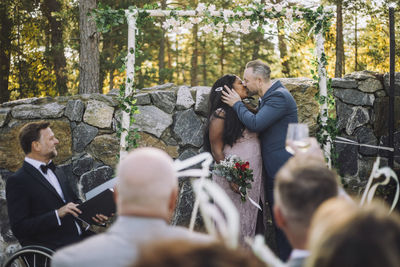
<point>146,197</point>
<point>188,254</point>
<point>363,237</point>
<point>301,185</point>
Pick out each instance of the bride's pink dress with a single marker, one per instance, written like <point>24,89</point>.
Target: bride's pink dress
<point>247,148</point>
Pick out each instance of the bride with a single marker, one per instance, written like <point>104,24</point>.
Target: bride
<point>225,135</point>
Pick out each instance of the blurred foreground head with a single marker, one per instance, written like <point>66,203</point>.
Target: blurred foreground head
<point>180,253</point>
<point>345,235</point>
<point>147,184</point>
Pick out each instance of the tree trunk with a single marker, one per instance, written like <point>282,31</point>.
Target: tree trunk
<point>169,53</point>
<point>161,52</point>
<point>256,47</point>
<point>222,55</point>
<point>178,69</point>
<point>339,40</point>
<point>5,51</point>
<point>57,56</point>
<point>355,44</point>
<point>194,59</point>
<point>89,69</point>
<point>283,50</point>
<point>204,61</point>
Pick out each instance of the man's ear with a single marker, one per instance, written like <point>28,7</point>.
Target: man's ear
<point>172,202</point>
<point>260,82</point>
<point>279,217</point>
<point>35,146</point>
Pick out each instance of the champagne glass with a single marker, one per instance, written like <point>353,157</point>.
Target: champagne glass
<point>297,133</point>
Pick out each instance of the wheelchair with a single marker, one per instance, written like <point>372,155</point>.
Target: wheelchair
<point>30,256</point>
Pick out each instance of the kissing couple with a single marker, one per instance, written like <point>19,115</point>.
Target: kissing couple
<point>257,137</point>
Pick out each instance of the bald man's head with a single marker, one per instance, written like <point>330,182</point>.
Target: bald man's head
<point>147,184</point>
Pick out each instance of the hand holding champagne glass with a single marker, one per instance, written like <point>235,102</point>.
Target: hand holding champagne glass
<point>297,135</point>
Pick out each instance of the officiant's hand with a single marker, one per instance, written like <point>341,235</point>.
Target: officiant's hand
<point>69,208</point>
<point>100,219</point>
<point>230,97</point>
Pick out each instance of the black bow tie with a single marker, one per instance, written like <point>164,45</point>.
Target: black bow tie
<point>50,166</point>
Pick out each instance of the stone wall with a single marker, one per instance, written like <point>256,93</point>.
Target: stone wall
<point>362,106</point>
<point>173,118</point>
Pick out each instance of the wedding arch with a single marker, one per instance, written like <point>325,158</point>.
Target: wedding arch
<point>243,20</point>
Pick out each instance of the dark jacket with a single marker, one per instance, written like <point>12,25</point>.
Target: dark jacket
<point>32,202</point>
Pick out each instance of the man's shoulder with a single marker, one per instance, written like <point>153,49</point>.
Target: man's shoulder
<point>20,174</point>
<point>84,252</point>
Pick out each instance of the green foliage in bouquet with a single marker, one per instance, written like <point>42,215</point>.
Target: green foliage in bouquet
<point>236,171</point>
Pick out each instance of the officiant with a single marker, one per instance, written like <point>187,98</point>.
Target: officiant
<point>41,205</point>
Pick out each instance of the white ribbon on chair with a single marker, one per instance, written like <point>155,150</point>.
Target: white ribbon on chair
<point>220,215</point>
<point>264,253</point>
<point>202,173</point>
<point>370,189</point>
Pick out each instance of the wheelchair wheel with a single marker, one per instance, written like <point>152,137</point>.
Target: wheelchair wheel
<point>30,256</point>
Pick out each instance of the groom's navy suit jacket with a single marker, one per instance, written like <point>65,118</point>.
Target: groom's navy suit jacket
<point>276,110</point>
<point>32,202</point>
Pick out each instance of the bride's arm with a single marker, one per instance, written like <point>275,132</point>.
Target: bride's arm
<point>216,132</point>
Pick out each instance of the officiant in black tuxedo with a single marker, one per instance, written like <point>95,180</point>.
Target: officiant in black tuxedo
<point>41,205</point>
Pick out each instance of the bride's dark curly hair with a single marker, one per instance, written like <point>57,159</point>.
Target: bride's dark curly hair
<point>233,127</point>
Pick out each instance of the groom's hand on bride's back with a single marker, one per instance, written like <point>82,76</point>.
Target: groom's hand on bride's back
<point>230,97</point>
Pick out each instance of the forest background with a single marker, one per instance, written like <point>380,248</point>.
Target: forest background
<point>53,47</point>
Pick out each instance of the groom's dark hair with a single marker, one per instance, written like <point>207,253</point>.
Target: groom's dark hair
<point>260,68</point>
<point>29,133</point>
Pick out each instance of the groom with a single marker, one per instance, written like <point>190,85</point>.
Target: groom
<point>276,110</point>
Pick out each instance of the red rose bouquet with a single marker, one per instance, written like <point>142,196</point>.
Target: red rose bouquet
<point>236,171</point>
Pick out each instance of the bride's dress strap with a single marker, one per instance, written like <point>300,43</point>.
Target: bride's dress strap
<point>219,113</point>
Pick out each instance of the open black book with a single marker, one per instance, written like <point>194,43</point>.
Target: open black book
<point>102,203</point>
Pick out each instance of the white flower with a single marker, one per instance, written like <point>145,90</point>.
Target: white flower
<point>229,28</point>
<point>245,30</point>
<point>320,17</point>
<point>173,22</point>
<point>176,30</point>
<point>201,7</point>
<point>195,20</point>
<point>166,25</point>
<point>220,27</point>
<point>239,13</point>
<point>187,25</point>
<point>249,12</point>
<point>206,28</point>
<point>227,14</point>
<point>278,8</point>
<point>212,8</point>
<point>236,26</point>
<point>298,13</point>
<point>245,23</point>
<point>289,14</point>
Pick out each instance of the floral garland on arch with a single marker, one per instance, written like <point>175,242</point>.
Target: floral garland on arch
<point>249,18</point>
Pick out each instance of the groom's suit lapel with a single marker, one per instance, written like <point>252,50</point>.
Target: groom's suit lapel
<point>41,179</point>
